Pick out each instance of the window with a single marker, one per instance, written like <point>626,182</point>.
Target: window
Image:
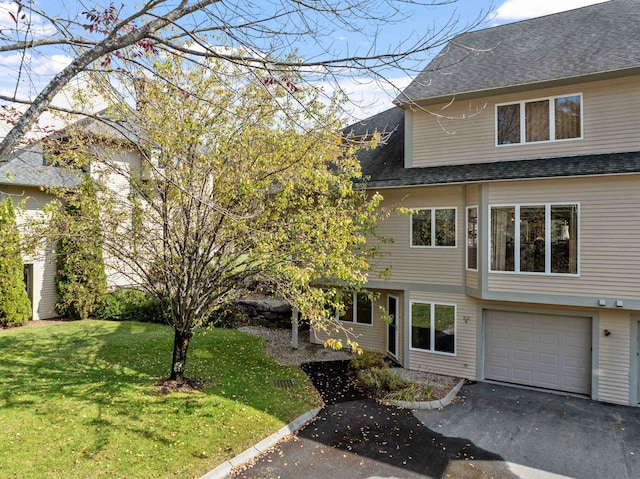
<point>433,327</point>
<point>547,119</point>
<point>362,313</point>
<point>535,238</point>
<point>472,237</point>
<point>434,227</point>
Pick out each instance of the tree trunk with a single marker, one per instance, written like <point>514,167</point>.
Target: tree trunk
<point>181,342</point>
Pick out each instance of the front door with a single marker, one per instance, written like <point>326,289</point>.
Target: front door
<point>392,328</point>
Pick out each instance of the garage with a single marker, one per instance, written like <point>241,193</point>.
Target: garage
<point>540,350</point>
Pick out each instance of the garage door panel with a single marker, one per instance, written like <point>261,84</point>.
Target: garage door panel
<point>538,350</point>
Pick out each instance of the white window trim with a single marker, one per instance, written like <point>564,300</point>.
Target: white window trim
<point>433,304</point>
<point>547,239</point>
<point>354,316</point>
<point>552,121</point>
<point>466,238</point>
<point>433,227</point>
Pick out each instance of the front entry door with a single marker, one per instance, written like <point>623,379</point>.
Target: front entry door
<point>392,328</point>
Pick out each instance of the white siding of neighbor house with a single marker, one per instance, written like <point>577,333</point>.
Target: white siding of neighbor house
<point>29,202</point>
<point>615,362</point>
<point>464,131</point>
<point>421,265</point>
<point>609,249</point>
<point>463,364</point>
<point>119,168</point>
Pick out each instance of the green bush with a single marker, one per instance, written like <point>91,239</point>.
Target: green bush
<point>80,276</point>
<point>383,383</point>
<point>15,307</point>
<point>379,382</point>
<point>367,360</point>
<point>130,305</point>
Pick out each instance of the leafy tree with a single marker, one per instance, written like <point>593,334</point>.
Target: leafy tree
<point>99,35</point>
<point>15,307</point>
<point>80,275</point>
<point>243,178</point>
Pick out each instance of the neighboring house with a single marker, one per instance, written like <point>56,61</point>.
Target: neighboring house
<point>519,149</point>
<point>24,178</point>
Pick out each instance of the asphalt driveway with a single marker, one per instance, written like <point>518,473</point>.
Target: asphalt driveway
<point>544,435</point>
<point>489,432</point>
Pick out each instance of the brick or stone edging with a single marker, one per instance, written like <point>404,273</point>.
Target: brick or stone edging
<point>445,401</point>
<point>267,443</point>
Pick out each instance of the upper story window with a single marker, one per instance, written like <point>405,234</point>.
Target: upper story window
<point>472,237</point>
<point>547,119</point>
<point>434,227</point>
<point>534,238</point>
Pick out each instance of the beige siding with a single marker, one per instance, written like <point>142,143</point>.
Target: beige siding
<point>421,265</point>
<point>609,231</point>
<point>464,132</point>
<point>463,364</point>
<point>614,366</point>
<point>374,336</point>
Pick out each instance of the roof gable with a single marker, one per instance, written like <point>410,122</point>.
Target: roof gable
<point>587,41</point>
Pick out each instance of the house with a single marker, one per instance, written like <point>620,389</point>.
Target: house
<point>24,178</point>
<point>518,150</point>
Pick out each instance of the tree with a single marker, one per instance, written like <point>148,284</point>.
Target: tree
<point>81,281</point>
<point>96,36</point>
<point>15,307</point>
<point>242,179</point>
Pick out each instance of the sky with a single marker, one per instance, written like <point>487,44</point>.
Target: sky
<point>369,96</point>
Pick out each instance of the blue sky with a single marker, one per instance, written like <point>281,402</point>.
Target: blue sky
<point>369,96</point>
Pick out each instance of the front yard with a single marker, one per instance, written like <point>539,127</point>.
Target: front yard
<point>77,400</point>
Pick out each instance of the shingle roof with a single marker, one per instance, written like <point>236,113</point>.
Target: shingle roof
<point>25,168</point>
<point>587,41</point>
<point>384,166</point>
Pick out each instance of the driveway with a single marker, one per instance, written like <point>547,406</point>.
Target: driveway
<point>543,435</point>
<point>489,432</point>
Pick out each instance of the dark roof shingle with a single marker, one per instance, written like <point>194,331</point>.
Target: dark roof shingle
<point>587,41</point>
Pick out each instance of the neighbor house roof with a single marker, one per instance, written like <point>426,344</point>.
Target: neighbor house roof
<point>26,168</point>
<point>590,41</point>
<point>383,167</point>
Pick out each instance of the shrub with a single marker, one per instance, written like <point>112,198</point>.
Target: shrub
<point>80,276</point>
<point>379,382</point>
<point>15,307</point>
<point>130,305</point>
<point>368,359</point>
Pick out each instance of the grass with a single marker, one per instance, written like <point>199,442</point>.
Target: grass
<point>77,400</point>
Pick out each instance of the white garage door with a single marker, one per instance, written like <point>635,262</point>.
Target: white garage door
<point>540,350</point>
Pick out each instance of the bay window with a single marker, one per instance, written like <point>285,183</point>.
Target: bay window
<point>534,238</point>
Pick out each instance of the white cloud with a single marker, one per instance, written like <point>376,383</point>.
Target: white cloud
<point>26,21</point>
<point>367,97</point>
<point>512,10</point>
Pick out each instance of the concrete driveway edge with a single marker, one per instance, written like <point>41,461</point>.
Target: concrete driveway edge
<point>440,403</point>
<point>225,468</point>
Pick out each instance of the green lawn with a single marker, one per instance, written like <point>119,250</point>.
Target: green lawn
<point>77,401</point>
